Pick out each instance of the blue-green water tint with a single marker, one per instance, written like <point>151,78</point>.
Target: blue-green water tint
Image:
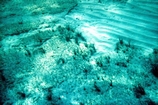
<point>78,53</point>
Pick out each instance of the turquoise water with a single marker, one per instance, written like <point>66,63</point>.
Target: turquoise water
<point>79,52</point>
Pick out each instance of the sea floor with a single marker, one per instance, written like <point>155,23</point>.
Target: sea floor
<point>86,53</point>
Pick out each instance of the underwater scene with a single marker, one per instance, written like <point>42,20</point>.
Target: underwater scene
<point>78,52</point>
